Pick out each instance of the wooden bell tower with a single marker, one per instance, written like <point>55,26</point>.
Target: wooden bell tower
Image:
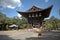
<point>35,16</point>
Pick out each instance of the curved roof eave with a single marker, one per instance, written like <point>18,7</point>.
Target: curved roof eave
<point>46,9</point>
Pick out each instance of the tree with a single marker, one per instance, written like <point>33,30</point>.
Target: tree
<point>2,20</point>
<point>22,22</point>
<point>52,23</point>
<point>2,17</point>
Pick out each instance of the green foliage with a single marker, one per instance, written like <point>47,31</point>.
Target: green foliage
<point>2,17</point>
<point>2,20</point>
<point>49,26</point>
<point>22,23</point>
<point>52,23</point>
<point>8,20</point>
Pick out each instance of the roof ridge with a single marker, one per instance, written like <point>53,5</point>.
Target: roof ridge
<point>34,8</point>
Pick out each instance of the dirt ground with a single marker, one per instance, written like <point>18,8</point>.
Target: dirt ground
<point>13,32</point>
<point>29,35</point>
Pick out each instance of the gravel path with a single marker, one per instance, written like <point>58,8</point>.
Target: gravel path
<point>17,35</point>
<point>29,35</point>
<point>23,36</point>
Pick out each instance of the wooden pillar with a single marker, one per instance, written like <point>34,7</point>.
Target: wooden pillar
<point>39,25</point>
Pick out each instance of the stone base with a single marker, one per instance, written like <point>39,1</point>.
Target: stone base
<point>29,26</point>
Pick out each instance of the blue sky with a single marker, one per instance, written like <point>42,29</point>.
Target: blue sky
<point>9,7</point>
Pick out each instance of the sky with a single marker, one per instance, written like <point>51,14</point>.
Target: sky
<point>10,7</point>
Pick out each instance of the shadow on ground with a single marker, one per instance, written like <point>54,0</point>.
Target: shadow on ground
<point>5,37</point>
<point>54,36</point>
<point>43,38</point>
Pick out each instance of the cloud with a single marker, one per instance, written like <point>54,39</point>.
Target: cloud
<point>10,3</point>
<point>46,0</point>
<point>19,15</point>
